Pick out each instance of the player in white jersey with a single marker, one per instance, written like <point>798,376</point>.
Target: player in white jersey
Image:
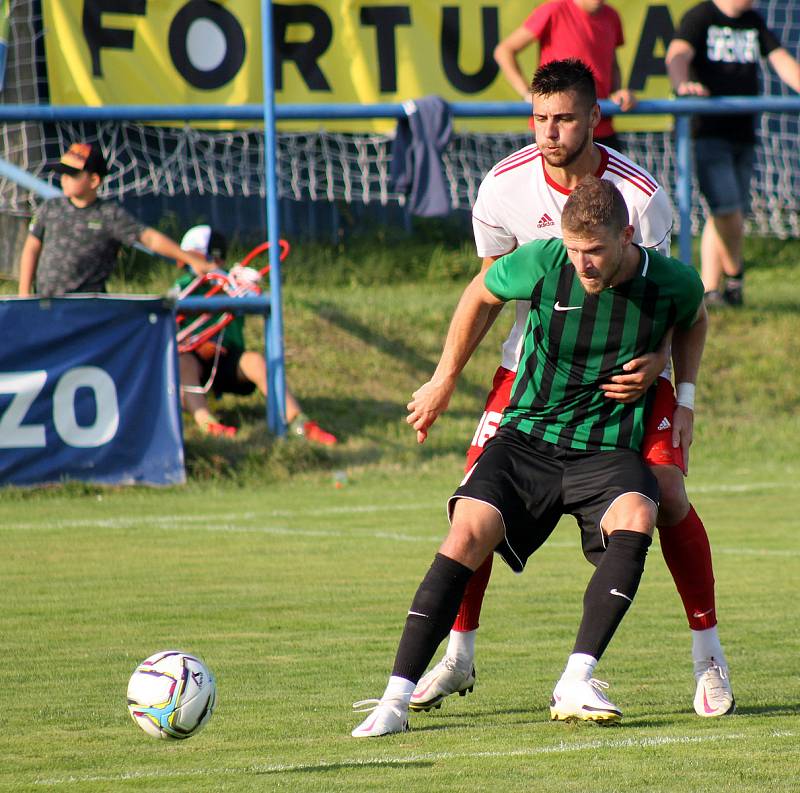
<point>521,200</point>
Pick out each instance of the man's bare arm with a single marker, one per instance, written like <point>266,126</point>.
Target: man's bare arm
<point>494,312</point>
<point>505,55</point>
<point>679,56</point>
<point>786,66</point>
<point>467,328</point>
<point>164,245</point>
<point>687,352</point>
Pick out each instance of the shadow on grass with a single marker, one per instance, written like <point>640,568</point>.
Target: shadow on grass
<point>324,767</point>
<point>395,348</point>
<point>366,428</point>
<point>782,709</point>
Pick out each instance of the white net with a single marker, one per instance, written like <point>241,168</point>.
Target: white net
<point>330,167</point>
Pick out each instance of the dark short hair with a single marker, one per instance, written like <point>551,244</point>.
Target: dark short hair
<point>558,77</point>
<point>594,203</point>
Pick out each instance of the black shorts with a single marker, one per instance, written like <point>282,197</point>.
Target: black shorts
<point>532,484</point>
<point>226,380</point>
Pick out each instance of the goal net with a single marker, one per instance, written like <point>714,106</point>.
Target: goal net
<point>331,167</point>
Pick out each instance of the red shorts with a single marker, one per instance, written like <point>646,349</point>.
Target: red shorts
<point>656,446</point>
<point>496,403</point>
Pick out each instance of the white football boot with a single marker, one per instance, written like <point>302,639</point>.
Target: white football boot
<point>714,695</point>
<point>583,700</point>
<point>387,716</point>
<point>446,678</point>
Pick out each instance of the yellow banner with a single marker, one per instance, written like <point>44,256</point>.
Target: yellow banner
<point>175,52</point>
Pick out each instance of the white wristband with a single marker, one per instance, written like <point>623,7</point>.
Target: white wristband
<point>684,395</point>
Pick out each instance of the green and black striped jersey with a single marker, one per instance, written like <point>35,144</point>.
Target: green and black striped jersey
<point>574,341</point>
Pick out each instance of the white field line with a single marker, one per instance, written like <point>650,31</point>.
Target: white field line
<point>363,509</point>
<point>172,520</point>
<point>425,757</point>
<point>748,487</point>
<point>233,523</point>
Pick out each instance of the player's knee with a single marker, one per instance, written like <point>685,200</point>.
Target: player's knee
<point>674,503</point>
<point>631,512</point>
<point>475,531</point>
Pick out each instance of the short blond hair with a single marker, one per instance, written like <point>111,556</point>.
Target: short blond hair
<point>592,204</point>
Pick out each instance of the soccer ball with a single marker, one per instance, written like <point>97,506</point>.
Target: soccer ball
<point>171,695</point>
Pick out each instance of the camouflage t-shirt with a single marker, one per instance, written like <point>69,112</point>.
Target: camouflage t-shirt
<point>80,244</point>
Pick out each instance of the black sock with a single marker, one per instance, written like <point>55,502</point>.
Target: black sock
<point>611,590</point>
<point>431,616</point>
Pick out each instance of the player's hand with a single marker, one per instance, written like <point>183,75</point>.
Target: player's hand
<point>689,88</point>
<point>427,403</point>
<point>640,374</point>
<point>683,431</point>
<point>625,98</point>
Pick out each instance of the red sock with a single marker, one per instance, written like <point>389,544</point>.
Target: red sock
<point>688,556</point>
<point>470,610</point>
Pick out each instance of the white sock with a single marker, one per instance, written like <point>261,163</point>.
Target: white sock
<point>398,687</point>
<point>579,667</point>
<point>461,646</point>
<point>705,647</point>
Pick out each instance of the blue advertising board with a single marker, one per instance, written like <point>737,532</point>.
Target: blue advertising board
<point>89,391</point>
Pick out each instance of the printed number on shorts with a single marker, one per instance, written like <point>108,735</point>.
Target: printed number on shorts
<point>487,428</point>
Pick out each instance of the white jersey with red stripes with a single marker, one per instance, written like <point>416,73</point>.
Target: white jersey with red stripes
<point>518,202</point>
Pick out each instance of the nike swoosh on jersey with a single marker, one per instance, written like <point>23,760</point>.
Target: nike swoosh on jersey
<point>559,307</point>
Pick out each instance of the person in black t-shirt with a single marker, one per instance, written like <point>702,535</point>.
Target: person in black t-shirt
<point>716,51</point>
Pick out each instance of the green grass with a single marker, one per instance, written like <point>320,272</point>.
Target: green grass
<point>295,593</point>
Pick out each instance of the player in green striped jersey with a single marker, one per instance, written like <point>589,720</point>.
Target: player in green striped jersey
<point>586,325</point>
<point>597,301</point>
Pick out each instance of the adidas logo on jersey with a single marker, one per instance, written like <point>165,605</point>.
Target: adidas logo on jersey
<point>544,221</point>
<point>664,425</point>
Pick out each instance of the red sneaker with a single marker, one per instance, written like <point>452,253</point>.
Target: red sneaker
<point>314,432</point>
<point>219,430</point>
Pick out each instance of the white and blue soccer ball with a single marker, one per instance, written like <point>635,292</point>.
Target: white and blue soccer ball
<point>171,695</point>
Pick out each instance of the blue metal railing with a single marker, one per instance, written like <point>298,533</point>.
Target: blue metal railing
<point>322,111</point>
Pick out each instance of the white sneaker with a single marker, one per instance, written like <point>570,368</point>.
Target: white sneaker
<point>582,700</point>
<point>388,716</point>
<point>446,678</point>
<point>714,695</point>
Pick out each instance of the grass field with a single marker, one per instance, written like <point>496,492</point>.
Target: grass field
<point>295,595</point>
<point>294,590</point>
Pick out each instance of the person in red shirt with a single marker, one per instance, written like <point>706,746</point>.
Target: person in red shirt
<point>589,30</point>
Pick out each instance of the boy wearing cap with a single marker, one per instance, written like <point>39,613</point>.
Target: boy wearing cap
<point>73,241</point>
<point>231,369</point>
